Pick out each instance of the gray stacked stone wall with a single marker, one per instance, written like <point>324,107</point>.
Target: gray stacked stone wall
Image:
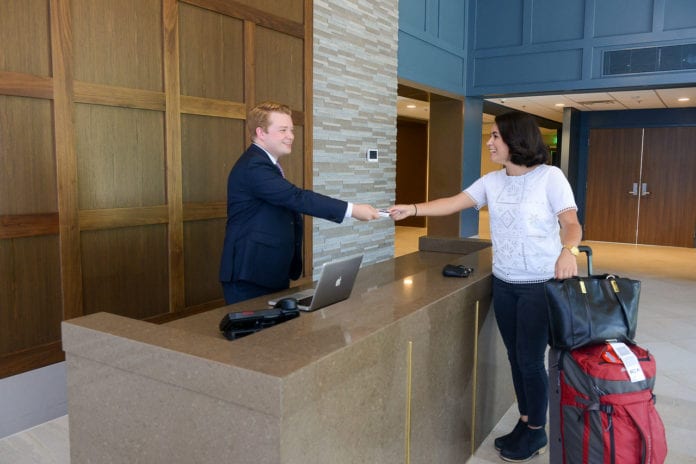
<point>355,88</point>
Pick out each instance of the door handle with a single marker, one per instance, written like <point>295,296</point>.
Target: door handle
<point>644,190</point>
<point>634,192</point>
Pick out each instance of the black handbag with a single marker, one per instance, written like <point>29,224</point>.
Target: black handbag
<point>592,309</point>
<point>239,324</point>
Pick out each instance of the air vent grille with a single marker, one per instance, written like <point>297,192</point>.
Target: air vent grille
<point>646,60</point>
<point>597,102</point>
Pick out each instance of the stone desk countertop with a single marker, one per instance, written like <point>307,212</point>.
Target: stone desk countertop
<point>213,364</point>
<point>407,335</point>
<point>380,297</point>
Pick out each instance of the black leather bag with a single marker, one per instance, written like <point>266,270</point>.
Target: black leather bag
<point>242,323</point>
<point>592,309</point>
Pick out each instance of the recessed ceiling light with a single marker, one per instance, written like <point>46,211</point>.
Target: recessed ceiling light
<point>683,99</point>
<point>559,104</point>
<point>410,105</point>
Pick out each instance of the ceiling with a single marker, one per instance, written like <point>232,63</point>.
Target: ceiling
<point>551,106</point>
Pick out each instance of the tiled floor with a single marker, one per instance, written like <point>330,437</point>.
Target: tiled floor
<point>47,443</point>
<point>666,326</point>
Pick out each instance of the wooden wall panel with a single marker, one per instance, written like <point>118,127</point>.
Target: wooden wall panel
<point>125,271</point>
<point>119,123</point>
<point>172,90</point>
<point>210,147</point>
<point>118,43</point>
<point>292,9</point>
<point>66,160</point>
<point>30,309</point>
<point>25,22</point>
<point>27,164</point>
<point>288,20</point>
<point>202,250</point>
<point>279,68</point>
<point>211,57</point>
<point>120,157</point>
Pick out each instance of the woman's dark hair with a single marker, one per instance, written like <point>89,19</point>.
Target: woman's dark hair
<point>520,132</point>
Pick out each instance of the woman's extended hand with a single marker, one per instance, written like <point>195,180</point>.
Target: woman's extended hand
<point>399,212</point>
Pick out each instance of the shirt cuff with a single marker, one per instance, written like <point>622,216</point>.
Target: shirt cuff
<point>349,210</point>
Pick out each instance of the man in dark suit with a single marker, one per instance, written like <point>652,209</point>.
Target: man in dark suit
<point>263,237</point>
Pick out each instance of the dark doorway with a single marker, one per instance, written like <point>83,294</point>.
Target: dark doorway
<point>411,165</point>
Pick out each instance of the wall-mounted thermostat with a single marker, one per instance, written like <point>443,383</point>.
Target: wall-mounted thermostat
<point>372,154</point>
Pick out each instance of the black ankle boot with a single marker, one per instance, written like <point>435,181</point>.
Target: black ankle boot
<point>506,440</point>
<point>530,443</point>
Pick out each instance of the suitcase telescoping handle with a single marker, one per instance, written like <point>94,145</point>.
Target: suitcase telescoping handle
<point>587,250</point>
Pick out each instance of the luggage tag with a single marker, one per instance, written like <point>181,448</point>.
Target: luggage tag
<point>609,356</point>
<point>628,359</point>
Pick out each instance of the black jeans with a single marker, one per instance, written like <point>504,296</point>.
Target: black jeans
<point>520,310</point>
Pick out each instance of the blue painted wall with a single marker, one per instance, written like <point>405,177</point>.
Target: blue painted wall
<point>533,46</point>
<point>432,43</point>
<point>481,48</point>
<point>492,47</point>
<point>471,165</point>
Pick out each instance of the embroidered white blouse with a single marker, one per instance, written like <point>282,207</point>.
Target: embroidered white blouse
<point>524,220</point>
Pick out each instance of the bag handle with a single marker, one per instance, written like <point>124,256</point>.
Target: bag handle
<point>587,250</point>
<point>615,287</point>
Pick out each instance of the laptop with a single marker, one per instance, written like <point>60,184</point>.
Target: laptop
<point>335,284</point>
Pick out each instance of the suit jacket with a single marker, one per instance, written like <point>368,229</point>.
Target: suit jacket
<point>263,235</point>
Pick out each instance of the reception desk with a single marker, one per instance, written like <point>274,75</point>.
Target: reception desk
<point>409,369</point>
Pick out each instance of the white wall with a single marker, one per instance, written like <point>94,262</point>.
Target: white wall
<point>32,398</point>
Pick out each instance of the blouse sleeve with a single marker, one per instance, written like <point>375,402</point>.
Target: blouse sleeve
<point>477,192</point>
<point>559,193</point>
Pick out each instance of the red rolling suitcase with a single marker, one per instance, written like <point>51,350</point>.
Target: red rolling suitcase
<point>605,416</point>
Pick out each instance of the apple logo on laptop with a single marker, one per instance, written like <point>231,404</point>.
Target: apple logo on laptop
<point>338,281</point>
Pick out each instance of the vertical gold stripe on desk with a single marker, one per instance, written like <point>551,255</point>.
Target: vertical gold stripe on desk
<point>409,364</point>
<point>474,381</point>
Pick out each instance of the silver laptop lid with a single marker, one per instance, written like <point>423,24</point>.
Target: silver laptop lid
<point>335,282</point>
